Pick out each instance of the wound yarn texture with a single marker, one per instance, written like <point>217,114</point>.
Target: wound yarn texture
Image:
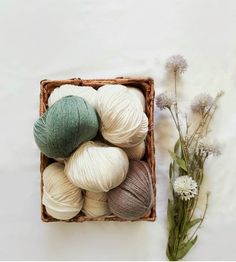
<point>139,95</point>
<point>133,198</point>
<point>95,204</point>
<point>64,126</point>
<point>98,139</point>
<point>136,152</point>
<point>88,93</point>
<point>96,167</point>
<point>61,198</point>
<point>123,122</point>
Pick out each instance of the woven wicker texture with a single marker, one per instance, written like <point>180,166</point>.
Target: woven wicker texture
<point>146,85</point>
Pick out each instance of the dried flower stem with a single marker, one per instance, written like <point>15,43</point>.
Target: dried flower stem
<point>177,118</point>
<point>187,168</point>
<point>175,74</point>
<point>209,120</point>
<point>193,208</point>
<point>204,123</point>
<point>205,116</point>
<point>203,217</point>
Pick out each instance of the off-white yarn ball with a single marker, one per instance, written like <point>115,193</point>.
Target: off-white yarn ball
<point>88,93</point>
<point>135,153</point>
<point>61,198</point>
<point>60,160</point>
<point>96,167</point>
<point>123,122</point>
<point>95,204</point>
<point>139,95</point>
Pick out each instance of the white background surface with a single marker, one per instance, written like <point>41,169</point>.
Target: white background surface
<point>63,39</point>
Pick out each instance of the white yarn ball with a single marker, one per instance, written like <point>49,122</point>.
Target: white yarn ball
<point>88,93</point>
<point>97,167</point>
<point>95,204</point>
<point>136,152</point>
<point>139,95</point>
<point>123,122</point>
<point>61,198</point>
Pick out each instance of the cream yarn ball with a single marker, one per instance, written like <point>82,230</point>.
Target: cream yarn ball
<point>88,93</point>
<point>136,152</point>
<point>123,122</point>
<point>61,198</point>
<point>139,95</point>
<point>96,167</point>
<point>95,204</point>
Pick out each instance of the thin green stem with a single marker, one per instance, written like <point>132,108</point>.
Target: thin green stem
<point>175,83</point>
<point>203,217</point>
<point>176,124</point>
<point>177,120</point>
<point>187,125</point>
<point>180,135</point>
<point>205,115</point>
<point>193,208</point>
<point>208,123</point>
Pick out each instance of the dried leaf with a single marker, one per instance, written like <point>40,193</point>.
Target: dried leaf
<point>179,161</point>
<point>184,248</point>
<point>171,241</point>
<point>168,254</point>
<point>170,214</point>
<point>193,223</point>
<point>176,239</point>
<point>180,208</point>
<point>189,225</point>
<point>169,248</point>
<point>177,146</point>
<point>170,171</point>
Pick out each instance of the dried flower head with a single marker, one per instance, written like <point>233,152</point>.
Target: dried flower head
<point>202,103</point>
<point>176,64</point>
<point>220,93</point>
<point>208,149</point>
<point>165,100</point>
<point>185,187</point>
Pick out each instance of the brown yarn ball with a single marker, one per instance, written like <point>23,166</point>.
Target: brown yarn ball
<point>133,198</point>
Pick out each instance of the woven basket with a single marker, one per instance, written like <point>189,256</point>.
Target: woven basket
<point>146,85</point>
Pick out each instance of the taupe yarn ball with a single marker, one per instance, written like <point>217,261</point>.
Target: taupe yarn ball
<point>133,198</point>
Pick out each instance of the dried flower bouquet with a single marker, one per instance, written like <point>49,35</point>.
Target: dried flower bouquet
<point>186,171</point>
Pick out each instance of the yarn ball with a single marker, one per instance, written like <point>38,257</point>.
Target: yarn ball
<point>136,152</point>
<point>96,167</point>
<point>88,93</point>
<point>133,198</point>
<point>123,122</point>
<point>61,198</point>
<point>95,204</point>
<point>139,95</point>
<point>64,126</point>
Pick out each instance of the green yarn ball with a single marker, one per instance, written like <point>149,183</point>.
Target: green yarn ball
<point>64,126</point>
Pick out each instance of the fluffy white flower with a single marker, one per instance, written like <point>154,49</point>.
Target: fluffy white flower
<point>165,100</point>
<point>177,64</point>
<point>185,187</point>
<point>208,149</point>
<point>202,103</point>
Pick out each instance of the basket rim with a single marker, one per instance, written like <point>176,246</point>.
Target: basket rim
<point>144,83</point>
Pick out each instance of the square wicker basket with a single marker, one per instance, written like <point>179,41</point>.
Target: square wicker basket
<point>146,85</point>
